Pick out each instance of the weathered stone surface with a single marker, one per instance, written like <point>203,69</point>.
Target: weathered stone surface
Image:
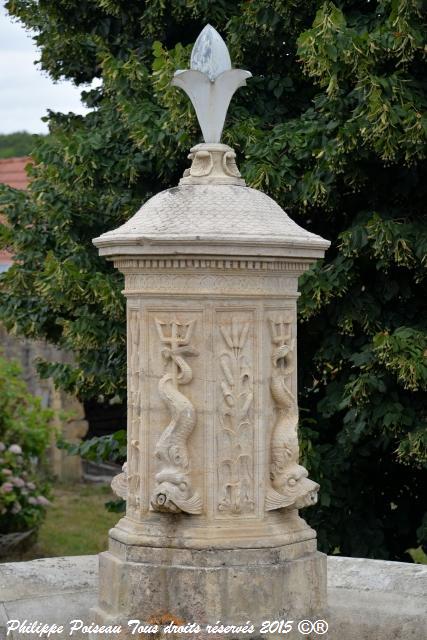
<point>232,586</point>
<point>368,599</point>
<point>50,590</point>
<point>377,599</point>
<point>211,279</point>
<point>41,578</point>
<point>217,218</point>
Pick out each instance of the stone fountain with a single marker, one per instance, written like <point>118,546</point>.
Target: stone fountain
<point>212,482</point>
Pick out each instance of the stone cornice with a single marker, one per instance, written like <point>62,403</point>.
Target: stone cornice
<point>261,249</point>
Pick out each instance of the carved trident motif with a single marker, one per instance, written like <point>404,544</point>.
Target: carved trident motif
<point>173,491</point>
<point>177,336</point>
<point>281,332</point>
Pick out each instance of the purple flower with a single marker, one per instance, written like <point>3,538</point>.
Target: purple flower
<point>43,501</point>
<point>32,500</point>
<point>16,508</point>
<point>31,485</point>
<point>15,448</point>
<point>6,472</point>
<point>18,482</point>
<point>6,487</point>
<point>2,446</point>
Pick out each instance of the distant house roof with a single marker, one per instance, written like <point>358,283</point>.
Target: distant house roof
<point>12,173</point>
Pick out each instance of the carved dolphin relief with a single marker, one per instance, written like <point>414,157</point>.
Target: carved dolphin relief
<point>173,491</point>
<point>290,485</point>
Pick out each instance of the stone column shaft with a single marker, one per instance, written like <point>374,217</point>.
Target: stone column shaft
<point>238,313</point>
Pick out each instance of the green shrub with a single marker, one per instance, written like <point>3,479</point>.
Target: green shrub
<point>25,434</point>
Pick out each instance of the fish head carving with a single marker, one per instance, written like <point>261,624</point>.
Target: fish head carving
<point>299,490</point>
<point>173,493</point>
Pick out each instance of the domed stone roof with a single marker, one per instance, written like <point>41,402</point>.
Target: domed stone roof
<point>218,215</point>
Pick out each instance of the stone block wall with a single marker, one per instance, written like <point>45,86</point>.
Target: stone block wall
<point>69,412</point>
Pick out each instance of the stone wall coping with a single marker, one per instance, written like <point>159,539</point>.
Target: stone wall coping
<point>38,578</point>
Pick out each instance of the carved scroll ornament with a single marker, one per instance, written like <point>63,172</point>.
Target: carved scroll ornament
<point>290,485</point>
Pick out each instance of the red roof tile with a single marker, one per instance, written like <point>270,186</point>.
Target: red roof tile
<point>12,172</point>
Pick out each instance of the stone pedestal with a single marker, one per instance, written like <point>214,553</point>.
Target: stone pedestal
<point>212,481</point>
<point>234,586</point>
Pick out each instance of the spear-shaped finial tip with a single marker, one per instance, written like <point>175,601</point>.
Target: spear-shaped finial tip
<point>210,54</point>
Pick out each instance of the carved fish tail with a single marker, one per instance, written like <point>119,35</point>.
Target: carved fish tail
<point>284,441</point>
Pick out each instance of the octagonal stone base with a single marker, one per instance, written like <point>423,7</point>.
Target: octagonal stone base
<point>156,585</point>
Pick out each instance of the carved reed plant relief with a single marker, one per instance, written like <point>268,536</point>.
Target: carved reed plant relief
<point>235,471</point>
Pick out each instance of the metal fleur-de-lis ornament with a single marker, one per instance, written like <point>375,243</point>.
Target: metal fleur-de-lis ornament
<point>210,82</point>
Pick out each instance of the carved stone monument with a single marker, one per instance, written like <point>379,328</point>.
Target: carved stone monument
<point>212,481</point>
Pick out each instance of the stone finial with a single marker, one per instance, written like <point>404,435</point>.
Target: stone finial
<point>210,82</point>
<point>213,163</point>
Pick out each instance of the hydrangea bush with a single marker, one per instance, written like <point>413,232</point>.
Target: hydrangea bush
<point>25,434</point>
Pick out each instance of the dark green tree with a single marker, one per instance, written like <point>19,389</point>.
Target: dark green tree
<point>332,127</point>
<point>16,144</point>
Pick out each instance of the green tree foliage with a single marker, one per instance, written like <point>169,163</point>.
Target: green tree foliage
<point>332,127</point>
<point>16,144</point>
